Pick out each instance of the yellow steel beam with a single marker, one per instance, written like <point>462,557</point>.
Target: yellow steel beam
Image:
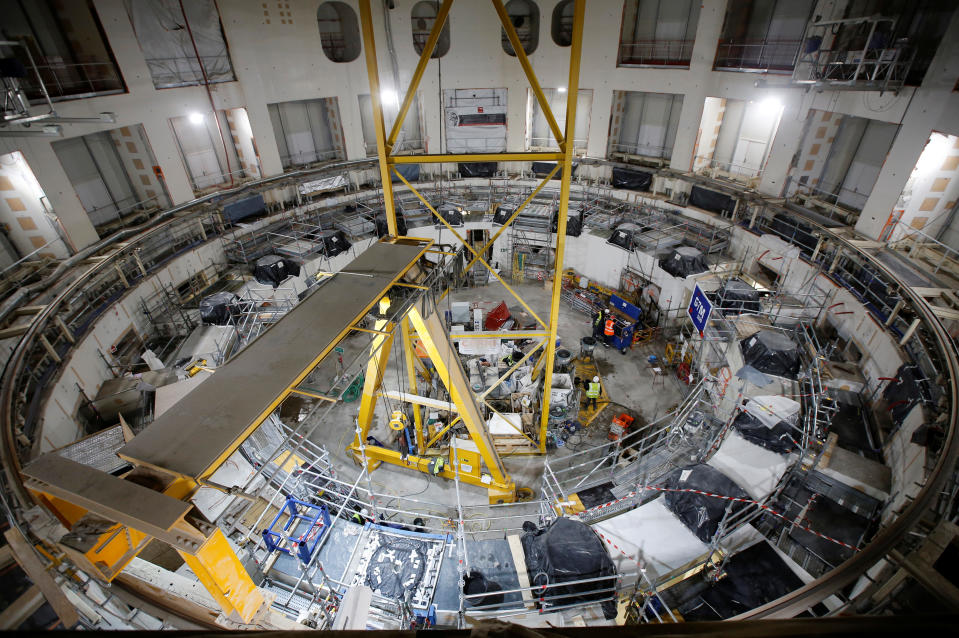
<point>224,576</point>
<point>530,74</point>
<point>470,248</point>
<point>495,334</point>
<point>372,70</point>
<point>476,157</point>
<point>410,353</point>
<point>511,370</point>
<point>513,216</point>
<point>429,328</point>
<point>575,50</point>
<point>418,73</point>
<point>375,369</point>
<point>445,429</point>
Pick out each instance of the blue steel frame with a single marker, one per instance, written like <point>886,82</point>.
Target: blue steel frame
<point>304,545</point>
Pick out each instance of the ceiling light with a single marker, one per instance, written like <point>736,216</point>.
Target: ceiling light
<point>770,106</point>
<point>562,89</point>
<point>196,118</point>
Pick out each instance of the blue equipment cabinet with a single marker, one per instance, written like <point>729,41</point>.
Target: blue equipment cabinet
<point>626,316</point>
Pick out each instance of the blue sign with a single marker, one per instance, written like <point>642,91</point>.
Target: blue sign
<point>699,310</point>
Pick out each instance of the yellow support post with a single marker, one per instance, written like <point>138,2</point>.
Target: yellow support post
<point>410,353</point>
<point>572,90</point>
<point>382,152</point>
<point>221,572</point>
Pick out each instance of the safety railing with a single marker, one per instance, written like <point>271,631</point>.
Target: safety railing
<point>73,80</point>
<point>655,53</point>
<point>774,56</point>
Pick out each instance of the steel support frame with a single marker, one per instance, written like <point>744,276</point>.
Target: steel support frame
<point>388,162</point>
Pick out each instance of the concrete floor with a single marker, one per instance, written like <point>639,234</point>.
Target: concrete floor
<point>628,380</point>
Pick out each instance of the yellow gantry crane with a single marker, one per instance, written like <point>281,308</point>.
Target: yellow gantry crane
<point>110,519</point>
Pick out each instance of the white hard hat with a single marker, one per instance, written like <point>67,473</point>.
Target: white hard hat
<point>364,512</point>
<point>596,379</point>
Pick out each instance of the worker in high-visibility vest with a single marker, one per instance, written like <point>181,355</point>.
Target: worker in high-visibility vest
<point>598,325</point>
<point>609,329</point>
<point>592,392</point>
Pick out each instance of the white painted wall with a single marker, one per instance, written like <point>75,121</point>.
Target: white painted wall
<point>276,62</point>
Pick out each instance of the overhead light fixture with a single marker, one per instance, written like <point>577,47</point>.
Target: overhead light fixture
<point>770,106</point>
<point>561,89</point>
<point>389,96</point>
<point>196,118</point>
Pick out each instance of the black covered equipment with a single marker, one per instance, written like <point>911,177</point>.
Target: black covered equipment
<point>382,228</point>
<point>736,296</point>
<point>772,353</point>
<point>272,270</point>
<point>452,215</point>
<point>699,512</point>
<point>218,309</point>
<point>569,550</point>
<point>684,261</point>
<point>632,180</point>
<point>712,201</point>
<point>477,169</point>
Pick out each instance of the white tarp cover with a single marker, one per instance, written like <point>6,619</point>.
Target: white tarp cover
<point>323,185</point>
<point>773,409</point>
<point>165,41</point>
<point>755,469</point>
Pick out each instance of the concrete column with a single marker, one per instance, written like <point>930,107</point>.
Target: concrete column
<point>932,108</point>
<point>700,69</point>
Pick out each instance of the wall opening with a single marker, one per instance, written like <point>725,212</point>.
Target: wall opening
<point>475,120</point>
<point>339,31</point>
<point>644,124</point>
<point>538,133</point>
<point>115,175</point>
<point>762,35</point>
<point>422,18</point>
<point>168,35</point>
<point>68,46</point>
<point>735,137</point>
<point>658,32</point>
<point>411,135</point>
<point>524,14</point>
<point>207,163</point>
<point>27,223</point>
<point>308,131</point>
<point>561,26</point>
<point>927,206</point>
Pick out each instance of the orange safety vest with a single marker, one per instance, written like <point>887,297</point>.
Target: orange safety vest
<point>608,331</point>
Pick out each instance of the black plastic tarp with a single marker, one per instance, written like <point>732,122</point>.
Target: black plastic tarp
<point>569,550</point>
<point>477,169</point>
<point>769,422</point>
<point>241,209</point>
<point>452,214</point>
<point>410,172</point>
<point>632,180</point>
<point>623,235</point>
<point>335,242</point>
<point>828,517</point>
<point>753,577</point>
<point>272,270</point>
<point>701,513</point>
<point>771,352</point>
<point>382,228</point>
<point>712,201</point>
<point>502,214</point>
<point>219,308</point>
<point>904,392</point>
<point>574,224</point>
<point>737,296</point>
<point>793,232</point>
<point>683,261</point>
<point>543,168</point>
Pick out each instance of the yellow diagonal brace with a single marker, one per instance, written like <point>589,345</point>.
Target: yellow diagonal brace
<point>443,431</point>
<point>511,370</point>
<point>372,70</point>
<point>509,423</point>
<point>429,327</point>
<point>530,75</point>
<point>470,248</point>
<point>410,353</point>
<point>379,356</point>
<point>573,88</point>
<point>418,73</point>
<point>513,216</point>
